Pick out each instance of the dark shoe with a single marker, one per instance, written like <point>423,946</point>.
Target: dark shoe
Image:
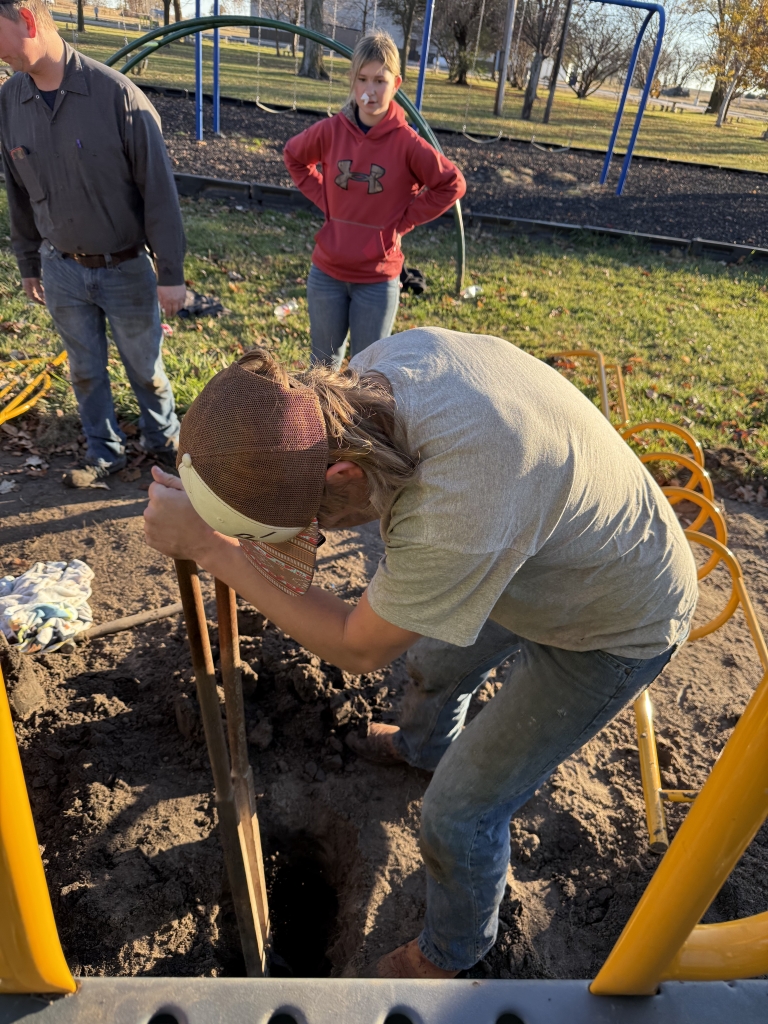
<point>164,456</point>
<point>406,962</point>
<point>89,475</point>
<point>377,746</point>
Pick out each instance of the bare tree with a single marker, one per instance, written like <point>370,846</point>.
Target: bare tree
<point>283,10</point>
<point>682,51</point>
<point>177,15</point>
<point>598,47</point>
<point>540,23</point>
<point>519,61</point>
<point>456,28</point>
<point>312,64</point>
<point>403,14</point>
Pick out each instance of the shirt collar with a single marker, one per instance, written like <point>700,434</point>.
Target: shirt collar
<point>73,80</point>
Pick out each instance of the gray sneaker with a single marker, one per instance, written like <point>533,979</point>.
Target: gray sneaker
<point>89,474</point>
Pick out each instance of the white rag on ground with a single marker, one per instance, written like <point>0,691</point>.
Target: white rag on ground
<point>45,606</point>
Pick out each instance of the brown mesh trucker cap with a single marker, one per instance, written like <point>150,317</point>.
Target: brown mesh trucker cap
<point>252,458</point>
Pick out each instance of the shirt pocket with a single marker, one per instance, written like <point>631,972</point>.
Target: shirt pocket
<point>25,165</point>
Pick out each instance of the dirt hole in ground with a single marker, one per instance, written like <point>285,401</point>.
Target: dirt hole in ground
<point>303,908</point>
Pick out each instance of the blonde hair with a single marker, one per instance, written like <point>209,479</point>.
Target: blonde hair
<point>39,8</point>
<point>377,46</point>
<point>360,422</point>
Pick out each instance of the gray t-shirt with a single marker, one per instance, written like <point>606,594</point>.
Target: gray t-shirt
<point>526,507</point>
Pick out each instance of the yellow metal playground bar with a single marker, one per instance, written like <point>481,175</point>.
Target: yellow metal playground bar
<point>31,959</point>
<point>663,939</point>
<point>31,391</point>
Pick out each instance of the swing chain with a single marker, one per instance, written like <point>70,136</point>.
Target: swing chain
<point>331,57</point>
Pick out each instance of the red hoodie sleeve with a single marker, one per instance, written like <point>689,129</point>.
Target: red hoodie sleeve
<point>444,185</point>
<point>301,154</point>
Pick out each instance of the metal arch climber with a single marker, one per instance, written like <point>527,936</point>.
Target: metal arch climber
<point>152,41</point>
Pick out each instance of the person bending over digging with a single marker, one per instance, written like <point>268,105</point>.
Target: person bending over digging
<point>378,180</point>
<point>90,187</point>
<point>517,523</point>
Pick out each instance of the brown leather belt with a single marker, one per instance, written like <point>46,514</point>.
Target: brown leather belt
<point>112,260</point>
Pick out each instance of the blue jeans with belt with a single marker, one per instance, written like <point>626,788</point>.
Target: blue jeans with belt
<point>367,311</point>
<point>81,302</point>
<point>552,702</point>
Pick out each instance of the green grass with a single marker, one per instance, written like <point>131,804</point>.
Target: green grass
<point>694,334</point>
<point>583,122</point>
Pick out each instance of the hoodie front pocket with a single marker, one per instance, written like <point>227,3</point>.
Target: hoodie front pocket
<point>349,243</point>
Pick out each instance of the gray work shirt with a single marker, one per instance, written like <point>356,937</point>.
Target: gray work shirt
<point>92,175</point>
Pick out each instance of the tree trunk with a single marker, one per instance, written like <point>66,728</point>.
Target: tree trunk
<point>716,99</point>
<point>407,30</point>
<point>312,65</point>
<point>80,16</point>
<point>723,111</point>
<point>177,15</point>
<point>533,81</point>
<point>166,12</point>
<point>558,61</point>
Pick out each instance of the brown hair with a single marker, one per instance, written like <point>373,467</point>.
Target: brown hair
<point>360,421</point>
<point>377,46</point>
<point>39,8</point>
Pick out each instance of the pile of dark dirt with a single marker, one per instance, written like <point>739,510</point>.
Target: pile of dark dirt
<point>117,772</point>
<point>509,178</point>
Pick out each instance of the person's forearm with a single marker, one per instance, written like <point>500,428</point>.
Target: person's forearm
<point>317,620</point>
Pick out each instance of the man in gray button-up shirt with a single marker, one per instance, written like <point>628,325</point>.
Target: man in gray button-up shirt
<point>90,187</point>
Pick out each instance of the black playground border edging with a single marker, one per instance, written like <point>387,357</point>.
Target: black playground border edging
<point>236,101</point>
<point>278,197</point>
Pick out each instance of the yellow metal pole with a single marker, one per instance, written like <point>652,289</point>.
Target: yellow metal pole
<point>622,403</point>
<point>729,810</point>
<point>754,626</point>
<point>590,353</point>
<point>723,951</point>
<point>649,771</point>
<point>15,407</point>
<point>31,958</point>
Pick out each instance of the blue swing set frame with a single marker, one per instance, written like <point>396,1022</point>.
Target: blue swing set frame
<point>651,8</point>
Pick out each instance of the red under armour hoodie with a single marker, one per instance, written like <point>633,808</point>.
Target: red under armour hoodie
<point>373,186</point>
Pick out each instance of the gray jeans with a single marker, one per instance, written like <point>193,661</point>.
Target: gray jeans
<point>551,703</point>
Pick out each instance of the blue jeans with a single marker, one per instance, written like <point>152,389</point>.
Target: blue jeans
<point>81,301</point>
<point>551,703</point>
<point>367,311</point>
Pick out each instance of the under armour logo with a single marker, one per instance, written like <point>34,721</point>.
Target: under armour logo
<point>347,174</point>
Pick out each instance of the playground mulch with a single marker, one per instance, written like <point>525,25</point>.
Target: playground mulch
<point>506,178</point>
<point>117,773</point>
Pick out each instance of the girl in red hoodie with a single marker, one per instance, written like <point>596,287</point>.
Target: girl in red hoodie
<point>379,179</point>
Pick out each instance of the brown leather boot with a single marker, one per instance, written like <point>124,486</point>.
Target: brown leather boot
<point>407,962</point>
<point>377,746</point>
